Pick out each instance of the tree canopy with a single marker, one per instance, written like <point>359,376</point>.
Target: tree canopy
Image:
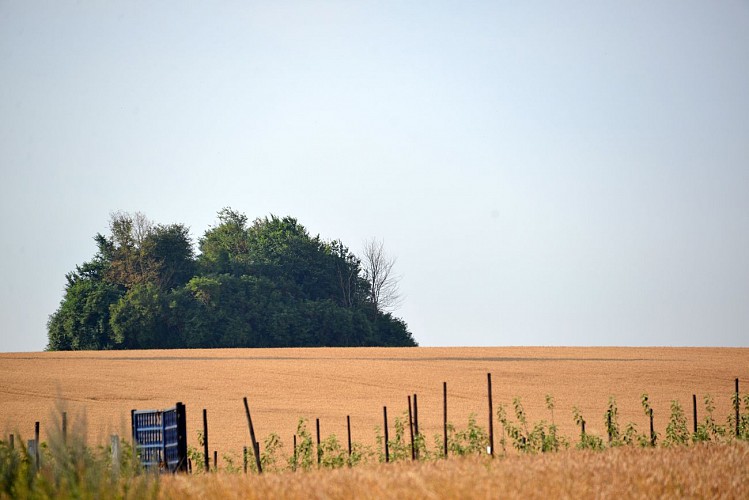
<point>262,284</point>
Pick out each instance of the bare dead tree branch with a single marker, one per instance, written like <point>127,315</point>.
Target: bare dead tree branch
<point>378,270</point>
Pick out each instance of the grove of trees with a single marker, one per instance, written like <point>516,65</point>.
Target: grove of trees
<point>262,284</point>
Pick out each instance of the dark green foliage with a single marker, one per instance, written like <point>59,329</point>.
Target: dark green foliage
<point>171,247</point>
<point>265,284</point>
<point>138,319</point>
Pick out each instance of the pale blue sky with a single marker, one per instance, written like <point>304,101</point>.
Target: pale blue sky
<point>547,173</point>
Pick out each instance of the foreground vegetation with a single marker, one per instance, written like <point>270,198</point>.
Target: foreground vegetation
<point>532,459</point>
<point>705,470</point>
<point>700,471</point>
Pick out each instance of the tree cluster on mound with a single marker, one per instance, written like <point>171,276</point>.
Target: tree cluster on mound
<point>264,284</point>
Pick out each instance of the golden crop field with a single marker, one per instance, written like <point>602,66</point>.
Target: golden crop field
<point>702,471</point>
<point>328,383</point>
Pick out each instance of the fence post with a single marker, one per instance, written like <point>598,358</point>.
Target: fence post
<point>387,451</point>
<point>738,416</point>
<point>205,441</point>
<point>416,423</point>
<point>11,441</point>
<point>491,416</point>
<point>348,432</point>
<point>255,447</point>
<point>65,427</point>
<point>135,440</point>
<point>36,450</point>
<point>694,411</point>
<point>215,461</point>
<point>608,424</point>
<point>116,459</point>
<point>244,459</point>
<point>652,429</point>
<point>444,413</point>
<point>411,429</point>
<point>319,451</point>
<point>295,459</point>
<point>181,417</point>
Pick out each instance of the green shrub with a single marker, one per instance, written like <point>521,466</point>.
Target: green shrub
<point>303,455</point>
<point>473,440</point>
<point>397,446</point>
<point>709,430</point>
<point>743,417</point>
<point>632,436</point>
<point>677,432</point>
<point>542,437</point>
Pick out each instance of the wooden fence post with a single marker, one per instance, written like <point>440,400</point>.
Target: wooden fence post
<point>207,459</point>
<point>244,459</point>
<point>319,451</point>
<point>411,429</point>
<point>491,416</point>
<point>65,427</point>
<point>181,420</point>
<point>36,449</point>
<point>11,441</point>
<point>444,413</point>
<point>295,459</point>
<point>348,433</point>
<point>387,451</point>
<point>416,424</point>
<point>255,447</point>
<point>652,429</point>
<point>738,416</point>
<point>608,424</point>
<point>132,423</point>
<point>694,411</point>
<point>215,461</point>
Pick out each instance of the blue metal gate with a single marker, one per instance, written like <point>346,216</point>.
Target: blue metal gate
<point>160,438</point>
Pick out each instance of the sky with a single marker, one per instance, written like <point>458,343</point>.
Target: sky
<point>545,173</point>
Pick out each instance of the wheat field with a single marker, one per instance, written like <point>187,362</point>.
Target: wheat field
<point>702,471</point>
<point>330,383</point>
